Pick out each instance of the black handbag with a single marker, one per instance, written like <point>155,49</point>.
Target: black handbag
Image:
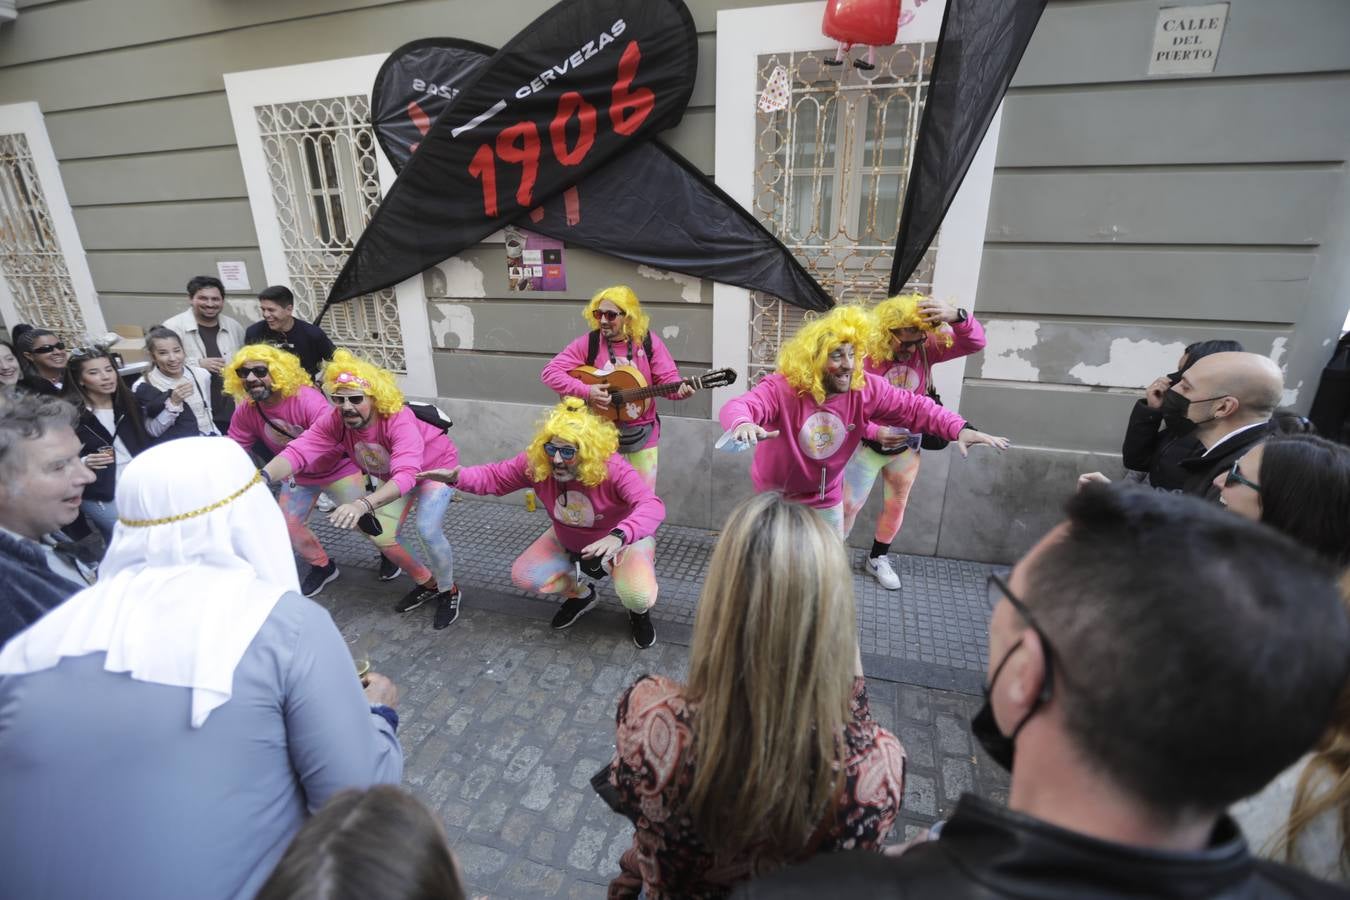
<point>931,441</point>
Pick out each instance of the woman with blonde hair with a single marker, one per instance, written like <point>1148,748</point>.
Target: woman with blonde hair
<point>911,333</point>
<point>769,754</point>
<point>620,335</point>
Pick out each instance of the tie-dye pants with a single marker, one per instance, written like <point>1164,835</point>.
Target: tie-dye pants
<point>546,568</point>
<point>644,462</point>
<point>897,477</point>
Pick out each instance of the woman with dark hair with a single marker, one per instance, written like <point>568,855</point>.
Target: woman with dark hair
<point>10,370</point>
<point>111,430</point>
<point>44,357</point>
<point>1300,484</point>
<point>176,395</point>
<point>1157,454</point>
<point>375,844</point>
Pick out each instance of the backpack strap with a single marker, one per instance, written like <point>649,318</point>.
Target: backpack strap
<point>593,348</point>
<point>647,344</point>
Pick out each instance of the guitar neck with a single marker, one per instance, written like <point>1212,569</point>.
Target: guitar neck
<point>655,390</point>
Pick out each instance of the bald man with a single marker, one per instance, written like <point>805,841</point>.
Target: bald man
<point>1225,400</point>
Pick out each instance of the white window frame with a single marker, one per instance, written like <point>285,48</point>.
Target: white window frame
<point>742,36</point>
<point>296,84</point>
<point>26,119</point>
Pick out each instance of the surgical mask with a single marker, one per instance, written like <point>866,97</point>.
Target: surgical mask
<point>1175,408</point>
<point>984,727</point>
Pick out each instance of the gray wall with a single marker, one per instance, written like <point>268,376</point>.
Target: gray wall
<point>1129,216</point>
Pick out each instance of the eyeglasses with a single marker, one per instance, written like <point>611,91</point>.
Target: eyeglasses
<point>59,345</point>
<point>997,589</point>
<point>567,453</point>
<point>607,315</point>
<point>255,371</point>
<point>353,399</point>
<point>1235,476</point>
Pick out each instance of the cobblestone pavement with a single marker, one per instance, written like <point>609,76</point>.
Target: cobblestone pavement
<point>505,720</point>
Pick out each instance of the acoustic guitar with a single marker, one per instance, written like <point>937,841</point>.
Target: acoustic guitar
<point>629,394</point>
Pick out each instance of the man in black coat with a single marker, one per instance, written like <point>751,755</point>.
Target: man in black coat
<point>1133,704</point>
<point>280,328</point>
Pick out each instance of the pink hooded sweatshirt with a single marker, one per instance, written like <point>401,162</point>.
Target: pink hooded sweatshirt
<point>806,461</point>
<point>660,369</point>
<point>581,514</point>
<point>293,415</point>
<point>392,448</point>
<point>908,374</point>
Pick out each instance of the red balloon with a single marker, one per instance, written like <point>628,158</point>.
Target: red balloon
<point>870,22</point>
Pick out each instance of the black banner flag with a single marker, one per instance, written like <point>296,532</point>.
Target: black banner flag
<point>649,205</point>
<point>585,81</point>
<point>978,50</point>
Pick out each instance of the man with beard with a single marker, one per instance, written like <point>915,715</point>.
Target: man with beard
<point>372,426</point>
<point>821,401</point>
<point>604,515</point>
<point>209,338</point>
<point>276,403</point>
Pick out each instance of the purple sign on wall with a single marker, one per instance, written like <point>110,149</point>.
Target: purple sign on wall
<point>533,262</point>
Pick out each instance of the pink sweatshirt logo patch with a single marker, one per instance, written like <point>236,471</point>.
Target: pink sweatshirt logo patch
<point>903,377</point>
<point>578,513</point>
<point>372,458</point>
<point>821,435</point>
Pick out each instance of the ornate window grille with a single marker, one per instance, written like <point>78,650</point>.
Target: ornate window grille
<point>324,175</point>
<point>829,175</point>
<point>30,254</point>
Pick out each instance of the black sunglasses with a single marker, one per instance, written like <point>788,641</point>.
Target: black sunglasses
<point>567,453</point>
<point>353,399</point>
<point>59,345</point>
<point>608,315</point>
<point>255,371</point>
<point>1235,476</point>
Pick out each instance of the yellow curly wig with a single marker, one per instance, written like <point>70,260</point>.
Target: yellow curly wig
<point>288,376</point>
<point>902,311</point>
<point>802,359</point>
<point>635,321</point>
<point>376,383</point>
<point>596,440</point>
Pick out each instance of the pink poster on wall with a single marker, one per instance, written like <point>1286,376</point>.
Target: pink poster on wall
<point>533,262</point>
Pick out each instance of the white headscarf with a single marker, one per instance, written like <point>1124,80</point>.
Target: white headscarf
<point>198,559</point>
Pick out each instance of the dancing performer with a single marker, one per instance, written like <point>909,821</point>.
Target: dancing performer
<point>604,515</point>
<point>820,399</point>
<point>620,335</point>
<point>275,402</point>
<point>370,423</point>
<point>911,333</point>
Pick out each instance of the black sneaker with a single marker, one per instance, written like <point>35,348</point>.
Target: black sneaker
<point>640,623</point>
<point>318,577</point>
<point>574,608</point>
<point>447,608</point>
<point>415,598</point>
<point>388,571</point>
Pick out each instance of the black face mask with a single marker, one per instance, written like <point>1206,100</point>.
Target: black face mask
<point>984,727</point>
<point>1173,378</point>
<point>1174,408</point>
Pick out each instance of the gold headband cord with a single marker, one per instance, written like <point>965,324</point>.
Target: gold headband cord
<point>168,520</point>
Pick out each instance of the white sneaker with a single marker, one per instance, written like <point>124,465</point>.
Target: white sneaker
<point>880,569</point>
<point>326,503</point>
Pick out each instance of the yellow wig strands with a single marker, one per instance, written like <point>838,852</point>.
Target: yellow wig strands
<point>379,385</point>
<point>596,440</point>
<point>902,311</point>
<point>635,321</point>
<point>288,376</point>
<point>803,358</point>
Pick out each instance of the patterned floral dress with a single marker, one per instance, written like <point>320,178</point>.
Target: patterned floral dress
<point>653,769</point>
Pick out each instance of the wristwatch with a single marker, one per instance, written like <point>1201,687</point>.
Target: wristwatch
<point>618,533</point>
<point>961,315</point>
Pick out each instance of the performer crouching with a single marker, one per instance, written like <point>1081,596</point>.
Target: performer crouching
<point>604,515</point>
<point>821,401</point>
<point>371,425</point>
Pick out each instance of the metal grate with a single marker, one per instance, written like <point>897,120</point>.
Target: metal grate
<point>30,254</point>
<point>325,182</point>
<point>830,171</point>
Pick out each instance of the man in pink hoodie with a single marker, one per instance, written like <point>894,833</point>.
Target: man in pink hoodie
<point>604,515</point>
<point>820,400</point>
<point>372,426</point>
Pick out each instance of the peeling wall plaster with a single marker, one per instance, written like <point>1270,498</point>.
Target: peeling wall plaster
<point>451,325</point>
<point>670,332</point>
<point>1131,363</point>
<point>691,288</point>
<point>1005,340</point>
<point>462,278</point>
<point>1290,395</point>
<point>247,312</point>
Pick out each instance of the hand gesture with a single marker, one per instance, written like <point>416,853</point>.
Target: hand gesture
<point>100,459</point>
<point>345,516</point>
<point>936,311</point>
<point>444,476</point>
<point>686,390</point>
<point>213,364</point>
<point>380,691</point>
<point>1153,396</point>
<point>604,548</point>
<point>749,433</point>
<point>182,392</point>
<point>1092,478</point>
<point>599,396</point>
<point>969,437</point>
<point>890,438</point>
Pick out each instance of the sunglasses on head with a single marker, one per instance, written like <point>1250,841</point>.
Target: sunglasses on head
<point>567,453</point>
<point>1235,476</point>
<point>353,399</point>
<point>59,345</point>
<point>255,371</point>
<point>607,315</point>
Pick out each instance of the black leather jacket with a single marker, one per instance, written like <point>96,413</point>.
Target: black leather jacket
<point>987,852</point>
